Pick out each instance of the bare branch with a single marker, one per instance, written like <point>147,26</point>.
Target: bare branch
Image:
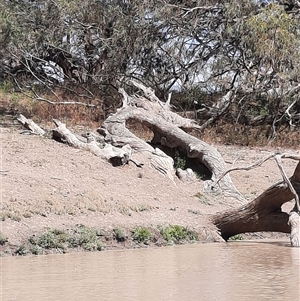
<point>287,181</point>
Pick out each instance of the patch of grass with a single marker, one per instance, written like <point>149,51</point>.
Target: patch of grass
<point>52,239</point>
<point>176,233</point>
<point>120,234</point>
<point>3,239</point>
<point>84,237</point>
<point>27,214</point>
<point>142,235</point>
<point>87,238</point>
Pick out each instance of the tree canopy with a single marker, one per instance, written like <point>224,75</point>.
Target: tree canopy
<point>249,49</point>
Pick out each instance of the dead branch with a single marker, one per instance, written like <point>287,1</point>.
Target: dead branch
<point>30,125</point>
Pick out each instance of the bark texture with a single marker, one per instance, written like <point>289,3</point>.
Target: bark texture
<point>170,131</point>
<point>264,213</point>
<point>117,156</point>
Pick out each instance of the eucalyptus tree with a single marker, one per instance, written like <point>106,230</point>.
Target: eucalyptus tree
<point>246,51</point>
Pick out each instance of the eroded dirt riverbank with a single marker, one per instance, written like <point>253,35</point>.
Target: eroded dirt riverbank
<point>47,185</point>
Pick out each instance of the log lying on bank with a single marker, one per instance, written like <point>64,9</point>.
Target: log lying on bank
<point>170,131</point>
<point>264,213</point>
<point>32,127</point>
<point>170,134</point>
<point>117,156</point>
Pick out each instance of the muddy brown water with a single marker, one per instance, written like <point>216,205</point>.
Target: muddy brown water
<point>238,270</point>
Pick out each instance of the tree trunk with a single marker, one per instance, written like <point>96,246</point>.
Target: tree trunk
<point>264,213</point>
<point>170,131</point>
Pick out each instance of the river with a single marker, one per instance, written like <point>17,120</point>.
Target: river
<point>240,270</point>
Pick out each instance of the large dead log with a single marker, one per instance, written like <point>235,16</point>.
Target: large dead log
<point>264,213</point>
<point>169,129</point>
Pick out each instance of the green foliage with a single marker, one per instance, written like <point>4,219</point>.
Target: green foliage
<point>120,234</point>
<point>52,239</point>
<point>36,250</point>
<point>87,238</point>
<point>84,237</point>
<point>236,237</point>
<point>176,233</point>
<point>21,250</point>
<point>142,235</point>
<point>272,35</point>
<point>3,239</point>
<point>180,160</point>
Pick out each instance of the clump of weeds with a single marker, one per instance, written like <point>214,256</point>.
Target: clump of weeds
<point>202,199</point>
<point>142,235</point>
<point>120,234</point>
<point>21,250</point>
<point>52,239</point>
<point>3,239</point>
<point>84,237</point>
<point>175,234</point>
<point>236,237</point>
<point>87,238</point>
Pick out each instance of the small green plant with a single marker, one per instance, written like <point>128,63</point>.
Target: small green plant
<point>119,234</point>
<point>142,235</point>
<point>21,250</point>
<point>3,239</point>
<point>27,214</point>
<point>236,237</point>
<point>176,233</point>
<point>180,160</point>
<point>36,250</point>
<point>53,238</point>
<point>87,238</point>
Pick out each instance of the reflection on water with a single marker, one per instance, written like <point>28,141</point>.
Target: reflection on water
<point>221,271</point>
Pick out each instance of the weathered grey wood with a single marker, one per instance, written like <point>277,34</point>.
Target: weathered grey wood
<point>117,156</point>
<point>170,130</point>
<point>30,125</point>
<point>294,222</point>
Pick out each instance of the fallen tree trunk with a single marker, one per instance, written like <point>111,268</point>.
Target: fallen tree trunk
<point>264,213</point>
<point>170,131</point>
<point>117,156</point>
<point>32,127</point>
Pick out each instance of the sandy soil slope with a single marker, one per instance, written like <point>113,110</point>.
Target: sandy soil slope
<point>48,184</point>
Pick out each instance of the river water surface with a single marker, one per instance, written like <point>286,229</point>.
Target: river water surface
<point>221,271</point>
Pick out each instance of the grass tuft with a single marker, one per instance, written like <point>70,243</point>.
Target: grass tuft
<point>142,235</point>
<point>175,233</point>
<point>3,239</point>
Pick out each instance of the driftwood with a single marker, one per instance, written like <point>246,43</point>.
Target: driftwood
<point>117,144</point>
<point>32,127</point>
<point>117,156</point>
<point>264,213</point>
<point>170,131</point>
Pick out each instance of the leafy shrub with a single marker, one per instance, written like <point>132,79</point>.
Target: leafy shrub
<point>54,238</point>
<point>87,238</point>
<point>142,235</point>
<point>175,233</point>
